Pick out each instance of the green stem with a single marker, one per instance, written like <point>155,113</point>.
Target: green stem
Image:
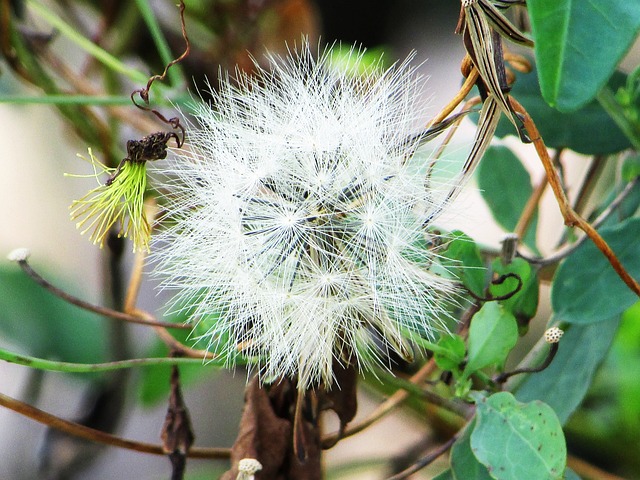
<point>62,99</point>
<point>427,345</point>
<point>91,48</point>
<point>453,405</point>
<point>67,367</point>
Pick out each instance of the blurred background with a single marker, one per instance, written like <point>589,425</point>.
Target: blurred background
<point>37,148</point>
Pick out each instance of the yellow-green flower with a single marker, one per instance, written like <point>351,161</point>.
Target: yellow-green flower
<point>120,200</point>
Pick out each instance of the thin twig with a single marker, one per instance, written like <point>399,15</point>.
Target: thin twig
<point>69,367</point>
<point>530,208</point>
<point>98,436</point>
<point>587,470</point>
<point>468,84</point>
<point>107,312</point>
<point>454,127</point>
<point>144,93</point>
<point>426,460</point>
<point>568,250</point>
<point>596,166</point>
<point>133,288</point>
<point>571,218</point>
<point>174,344</point>
<point>503,377</point>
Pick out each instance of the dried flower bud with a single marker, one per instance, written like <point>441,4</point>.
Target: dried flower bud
<point>19,255</point>
<point>553,335</point>
<point>247,468</point>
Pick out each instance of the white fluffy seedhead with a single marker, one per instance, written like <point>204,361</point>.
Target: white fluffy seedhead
<point>296,222</point>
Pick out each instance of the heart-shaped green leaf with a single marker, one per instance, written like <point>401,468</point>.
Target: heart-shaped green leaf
<point>492,335</point>
<point>518,440</point>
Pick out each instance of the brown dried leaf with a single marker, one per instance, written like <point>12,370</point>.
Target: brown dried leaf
<point>342,399</point>
<point>177,433</point>
<point>266,434</point>
<point>263,435</point>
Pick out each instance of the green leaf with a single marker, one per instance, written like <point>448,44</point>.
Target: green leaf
<point>586,289</point>
<point>453,355</point>
<point>518,440</point>
<point>492,335</point>
<point>462,258</point>
<point>46,326</point>
<point>564,383</point>
<point>506,187</point>
<point>589,130</point>
<point>631,168</point>
<point>524,304</point>
<point>578,44</point>
<point>464,464</point>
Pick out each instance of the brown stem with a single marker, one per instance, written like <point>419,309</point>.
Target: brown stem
<point>135,280</point>
<point>107,312</point>
<point>426,460</point>
<point>571,218</point>
<point>98,436</point>
<point>588,184</point>
<point>174,344</point>
<point>454,127</point>
<point>530,208</point>
<point>468,84</point>
<point>566,251</point>
<point>144,93</point>
<point>587,470</point>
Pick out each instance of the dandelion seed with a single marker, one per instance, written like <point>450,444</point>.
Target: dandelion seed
<point>295,226</point>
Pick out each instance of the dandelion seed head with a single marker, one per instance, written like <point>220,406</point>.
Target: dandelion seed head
<point>297,217</point>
